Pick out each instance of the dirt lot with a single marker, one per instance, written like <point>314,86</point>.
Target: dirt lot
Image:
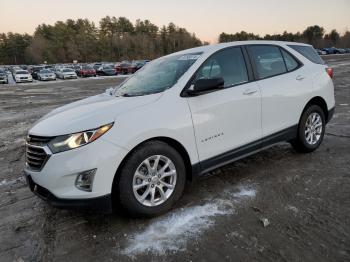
<point>305,198</point>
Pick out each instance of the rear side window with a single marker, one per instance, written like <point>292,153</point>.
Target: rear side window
<point>291,63</point>
<point>268,60</point>
<point>308,52</point>
<point>228,64</point>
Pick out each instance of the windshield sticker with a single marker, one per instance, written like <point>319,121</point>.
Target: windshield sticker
<point>189,57</point>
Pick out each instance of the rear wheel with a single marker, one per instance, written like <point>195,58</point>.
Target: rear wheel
<point>152,180</point>
<point>311,130</point>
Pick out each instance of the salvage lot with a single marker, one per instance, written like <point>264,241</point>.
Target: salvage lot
<point>305,198</point>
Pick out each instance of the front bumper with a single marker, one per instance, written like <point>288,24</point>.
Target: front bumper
<point>102,204</point>
<point>70,77</point>
<point>88,74</point>
<point>29,80</point>
<point>58,175</point>
<point>48,78</point>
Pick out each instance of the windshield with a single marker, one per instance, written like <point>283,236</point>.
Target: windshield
<point>45,71</point>
<point>157,76</point>
<point>22,73</point>
<point>87,68</point>
<point>67,70</point>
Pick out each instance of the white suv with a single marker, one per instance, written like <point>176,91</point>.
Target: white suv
<point>177,118</point>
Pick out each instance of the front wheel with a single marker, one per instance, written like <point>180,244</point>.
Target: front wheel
<point>311,130</point>
<point>152,179</point>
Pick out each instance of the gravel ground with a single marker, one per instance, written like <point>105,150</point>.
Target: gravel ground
<point>303,200</point>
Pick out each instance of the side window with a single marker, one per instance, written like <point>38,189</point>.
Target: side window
<point>268,60</point>
<point>228,64</point>
<point>291,63</point>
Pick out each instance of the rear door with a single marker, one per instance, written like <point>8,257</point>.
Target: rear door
<point>228,118</point>
<point>283,82</point>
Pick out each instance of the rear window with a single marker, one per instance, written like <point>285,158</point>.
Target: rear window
<point>308,52</point>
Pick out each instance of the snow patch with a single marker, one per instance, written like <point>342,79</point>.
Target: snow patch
<point>172,231</point>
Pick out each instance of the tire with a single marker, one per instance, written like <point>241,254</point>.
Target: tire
<point>309,139</point>
<point>128,180</point>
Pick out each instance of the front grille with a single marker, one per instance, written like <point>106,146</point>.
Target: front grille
<point>36,156</point>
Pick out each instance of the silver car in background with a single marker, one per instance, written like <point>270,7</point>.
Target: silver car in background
<point>46,75</point>
<point>66,73</point>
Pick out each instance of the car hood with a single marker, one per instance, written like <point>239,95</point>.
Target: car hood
<point>87,114</point>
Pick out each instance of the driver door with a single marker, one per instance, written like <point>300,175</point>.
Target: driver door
<point>226,121</point>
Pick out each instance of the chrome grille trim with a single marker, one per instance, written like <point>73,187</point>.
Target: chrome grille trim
<point>37,152</point>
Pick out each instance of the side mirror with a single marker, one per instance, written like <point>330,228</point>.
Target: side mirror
<point>109,91</point>
<point>205,85</point>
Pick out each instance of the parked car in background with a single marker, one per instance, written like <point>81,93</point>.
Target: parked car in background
<point>122,68</point>
<point>106,70</point>
<point>22,76</point>
<point>46,75</point>
<point>35,70</point>
<point>341,50</point>
<point>97,66</point>
<point>347,50</point>
<point>13,69</point>
<point>66,73</point>
<point>50,67</point>
<point>3,77</point>
<point>86,71</point>
<point>136,65</point>
<point>321,52</point>
<point>334,50</point>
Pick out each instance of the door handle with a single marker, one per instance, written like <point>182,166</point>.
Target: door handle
<point>249,91</point>
<point>300,77</point>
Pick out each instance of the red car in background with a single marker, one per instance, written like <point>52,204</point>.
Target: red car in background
<point>122,68</point>
<point>86,71</point>
<point>136,65</point>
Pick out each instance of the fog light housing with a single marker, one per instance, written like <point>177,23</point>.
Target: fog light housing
<point>85,180</point>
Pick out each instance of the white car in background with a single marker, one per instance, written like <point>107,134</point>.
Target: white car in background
<point>66,73</point>
<point>46,75</point>
<point>177,118</point>
<point>22,76</point>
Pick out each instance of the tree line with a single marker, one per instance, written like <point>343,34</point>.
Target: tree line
<point>314,35</point>
<point>116,39</point>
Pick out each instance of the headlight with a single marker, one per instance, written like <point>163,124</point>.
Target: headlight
<point>68,142</point>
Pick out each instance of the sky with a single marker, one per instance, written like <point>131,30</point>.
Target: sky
<point>206,18</point>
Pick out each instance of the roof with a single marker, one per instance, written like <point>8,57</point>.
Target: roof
<point>215,47</point>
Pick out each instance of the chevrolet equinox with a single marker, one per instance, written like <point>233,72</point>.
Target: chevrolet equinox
<point>177,118</point>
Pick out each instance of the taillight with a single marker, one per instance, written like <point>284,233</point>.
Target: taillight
<point>330,72</point>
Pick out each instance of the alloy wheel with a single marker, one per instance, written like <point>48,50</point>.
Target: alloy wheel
<point>154,180</point>
<point>313,128</point>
